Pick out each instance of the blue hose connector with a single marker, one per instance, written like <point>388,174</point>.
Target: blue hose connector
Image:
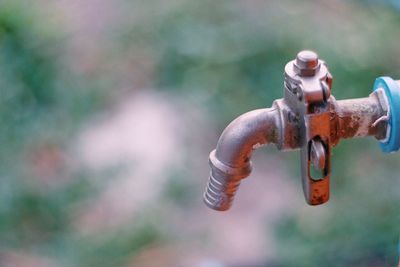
<point>392,92</point>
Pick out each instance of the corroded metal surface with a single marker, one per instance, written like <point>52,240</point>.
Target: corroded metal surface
<point>357,117</point>
<point>307,93</point>
<point>230,161</point>
<point>307,118</point>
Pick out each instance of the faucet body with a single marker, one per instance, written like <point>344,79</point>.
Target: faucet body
<point>308,119</point>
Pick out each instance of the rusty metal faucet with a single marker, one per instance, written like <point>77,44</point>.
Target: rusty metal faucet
<point>308,118</point>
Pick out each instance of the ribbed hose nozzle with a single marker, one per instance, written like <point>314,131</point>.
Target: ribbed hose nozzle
<point>223,183</point>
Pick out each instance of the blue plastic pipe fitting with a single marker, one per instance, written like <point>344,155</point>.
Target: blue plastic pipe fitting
<point>391,89</point>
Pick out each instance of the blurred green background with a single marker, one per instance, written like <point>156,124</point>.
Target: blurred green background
<point>108,111</point>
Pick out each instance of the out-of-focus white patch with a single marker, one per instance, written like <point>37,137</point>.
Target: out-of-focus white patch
<point>210,263</point>
<point>142,139</point>
<point>23,258</point>
<point>143,130</point>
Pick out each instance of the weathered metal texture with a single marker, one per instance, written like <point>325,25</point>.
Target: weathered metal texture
<point>230,161</point>
<point>307,118</point>
<point>358,117</point>
<point>307,91</point>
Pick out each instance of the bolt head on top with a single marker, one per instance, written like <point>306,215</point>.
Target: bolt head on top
<point>306,63</point>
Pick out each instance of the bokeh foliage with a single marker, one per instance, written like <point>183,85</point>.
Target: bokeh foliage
<point>228,55</point>
<point>43,103</point>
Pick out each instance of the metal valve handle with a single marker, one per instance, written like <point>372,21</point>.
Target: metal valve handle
<point>307,91</point>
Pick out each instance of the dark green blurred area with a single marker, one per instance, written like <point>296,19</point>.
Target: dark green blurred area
<point>231,55</point>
